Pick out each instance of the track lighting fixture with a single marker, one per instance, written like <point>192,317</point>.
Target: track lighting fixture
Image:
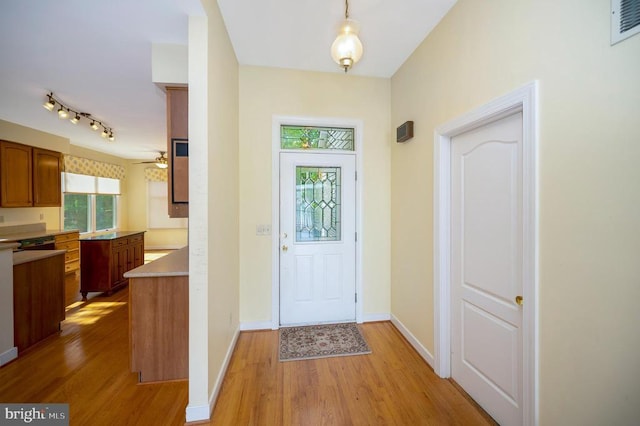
<point>65,111</point>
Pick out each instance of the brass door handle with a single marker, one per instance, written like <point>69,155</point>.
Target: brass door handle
<point>519,300</point>
<point>285,248</point>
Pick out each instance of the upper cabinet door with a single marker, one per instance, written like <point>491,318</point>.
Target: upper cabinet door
<point>15,175</point>
<point>46,178</point>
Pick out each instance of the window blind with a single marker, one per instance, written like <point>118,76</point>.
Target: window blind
<point>84,184</point>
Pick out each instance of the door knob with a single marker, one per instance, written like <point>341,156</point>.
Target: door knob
<point>519,300</point>
<point>285,248</point>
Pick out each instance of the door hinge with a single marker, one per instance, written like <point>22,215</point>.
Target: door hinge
<point>356,297</point>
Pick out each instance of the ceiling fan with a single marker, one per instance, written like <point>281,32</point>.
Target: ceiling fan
<point>160,162</point>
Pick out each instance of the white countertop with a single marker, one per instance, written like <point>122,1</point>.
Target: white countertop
<point>8,246</point>
<point>20,257</point>
<point>175,264</point>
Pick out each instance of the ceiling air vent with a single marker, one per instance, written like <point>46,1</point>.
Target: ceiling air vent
<point>625,19</point>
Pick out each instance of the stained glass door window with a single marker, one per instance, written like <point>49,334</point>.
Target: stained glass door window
<point>313,137</point>
<point>318,215</point>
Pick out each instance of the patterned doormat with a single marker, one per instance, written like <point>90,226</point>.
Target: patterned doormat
<point>321,341</point>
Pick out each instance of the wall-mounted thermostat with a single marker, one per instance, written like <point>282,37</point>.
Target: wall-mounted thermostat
<point>404,132</point>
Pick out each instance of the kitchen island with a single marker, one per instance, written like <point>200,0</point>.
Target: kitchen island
<point>104,259</point>
<point>159,318</point>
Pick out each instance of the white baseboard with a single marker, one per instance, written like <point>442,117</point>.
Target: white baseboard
<point>424,353</point>
<point>258,325</point>
<point>375,317</point>
<point>268,325</point>
<point>197,413</point>
<point>203,412</point>
<point>163,247</point>
<point>8,355</point>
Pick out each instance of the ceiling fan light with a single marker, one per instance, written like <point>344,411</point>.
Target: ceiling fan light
<point>162,165</point>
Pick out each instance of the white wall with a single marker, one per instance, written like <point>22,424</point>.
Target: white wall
<point>589,197</point>
<point>265,92</point>
<point>7,349</point>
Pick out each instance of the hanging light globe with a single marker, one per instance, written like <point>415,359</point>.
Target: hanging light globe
<point>347,49</point>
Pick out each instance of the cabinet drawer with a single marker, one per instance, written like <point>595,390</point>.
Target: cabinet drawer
<point>120,242</point>
<point>69,245</point>
<point>71,255</point>
<point>67,237</point>
<point>72,266</point>
<point>136,239</point>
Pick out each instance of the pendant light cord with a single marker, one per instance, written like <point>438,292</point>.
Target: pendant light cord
<point>346,9</point>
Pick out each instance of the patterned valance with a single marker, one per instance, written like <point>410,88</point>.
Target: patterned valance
<point>155,174</point>
<point>85,166</point>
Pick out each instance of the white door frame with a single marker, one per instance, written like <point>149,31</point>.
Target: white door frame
<point>277,121</point>
<point>524,99</point>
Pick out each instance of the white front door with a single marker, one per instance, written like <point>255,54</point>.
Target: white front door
<point>486,266</point>
<point>317,238</point>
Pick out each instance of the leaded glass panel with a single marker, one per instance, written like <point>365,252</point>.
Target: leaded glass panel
<point>318,215</point>
<point>304,137</point>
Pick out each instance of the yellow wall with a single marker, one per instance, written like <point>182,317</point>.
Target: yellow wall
<point>223,195</point>
<point>213,207</point>
<point>265,92</point>
<point>588,182</point>
<point>138,214</point>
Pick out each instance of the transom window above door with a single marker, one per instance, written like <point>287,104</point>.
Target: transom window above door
<point>312,137</point>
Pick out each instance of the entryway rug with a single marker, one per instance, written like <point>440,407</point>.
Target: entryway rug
<point>321,341</point>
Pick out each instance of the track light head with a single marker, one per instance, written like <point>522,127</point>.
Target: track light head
<point>75,119</point>
<point>93,125</point>
<point>49,104</point>
<point>62,113</point>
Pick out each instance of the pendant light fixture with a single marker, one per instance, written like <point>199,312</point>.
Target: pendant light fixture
<point>346,50</point>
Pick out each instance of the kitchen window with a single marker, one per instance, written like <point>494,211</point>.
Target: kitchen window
<point>90,204</point>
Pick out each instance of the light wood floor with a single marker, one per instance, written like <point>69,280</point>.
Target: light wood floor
<point>87,366</point>
<point>391,386</point>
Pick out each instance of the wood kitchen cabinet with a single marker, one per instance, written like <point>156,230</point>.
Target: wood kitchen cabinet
<point>38,299</point>
<point>29,177</point>
<point>16,177</point>
<point>105,258</point>
<point>178,149</point>
<point>69,242</point>
<point>46,178</point>
<point>159,318</point>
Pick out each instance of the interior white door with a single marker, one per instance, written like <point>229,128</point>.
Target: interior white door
<point>486,266</point>
<point>317,238</point>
